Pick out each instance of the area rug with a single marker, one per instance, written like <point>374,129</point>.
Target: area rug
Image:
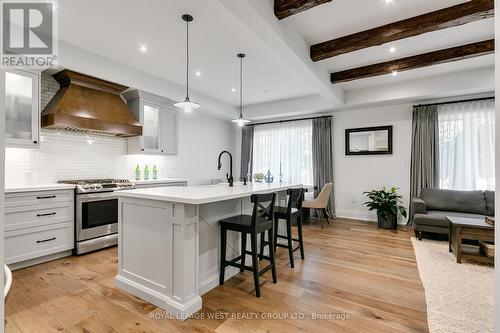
<point>459,296</point>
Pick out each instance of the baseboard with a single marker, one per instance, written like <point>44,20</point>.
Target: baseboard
<point>209,280</point>
<point>361,216</point>
<point>36,261</point>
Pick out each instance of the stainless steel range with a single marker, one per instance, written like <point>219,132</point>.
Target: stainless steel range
<point>96,212</point>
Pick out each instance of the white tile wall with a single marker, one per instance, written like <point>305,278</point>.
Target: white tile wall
<point>65,155</point>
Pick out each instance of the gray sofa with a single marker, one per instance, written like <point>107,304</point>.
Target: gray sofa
<point>429,211</point>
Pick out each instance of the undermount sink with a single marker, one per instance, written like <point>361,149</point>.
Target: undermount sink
<point>234,184</point>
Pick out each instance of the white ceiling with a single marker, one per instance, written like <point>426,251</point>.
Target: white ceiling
<point>116,28</point>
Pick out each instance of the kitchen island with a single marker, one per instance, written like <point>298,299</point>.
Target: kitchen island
<point>168,244</point>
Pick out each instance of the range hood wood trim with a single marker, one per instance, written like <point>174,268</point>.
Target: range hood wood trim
<point>88,104</point>
<point>67,77</point>
<point>60,121</point>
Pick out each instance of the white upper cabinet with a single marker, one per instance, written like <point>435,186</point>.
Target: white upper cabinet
<point>158,118</point>
<point>22,108</point>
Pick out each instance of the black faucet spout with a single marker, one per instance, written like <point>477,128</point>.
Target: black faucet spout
<point>229,176</point>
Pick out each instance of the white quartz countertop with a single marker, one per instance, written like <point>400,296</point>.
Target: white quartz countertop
<point>37,187</point>
<point>160,181</point>
<point>198,195</point>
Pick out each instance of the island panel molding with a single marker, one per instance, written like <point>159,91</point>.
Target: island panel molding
<point>169,244</point>
<point>417,61</point>
<point>441,19</point>
<point>285,8</point>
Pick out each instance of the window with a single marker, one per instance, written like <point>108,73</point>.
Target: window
<point>467,145</point>
<point>286,149</point>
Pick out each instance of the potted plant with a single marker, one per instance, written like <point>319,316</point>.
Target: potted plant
<point>387,203</point>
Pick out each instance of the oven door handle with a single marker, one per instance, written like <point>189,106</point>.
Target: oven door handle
<point>96,197</point>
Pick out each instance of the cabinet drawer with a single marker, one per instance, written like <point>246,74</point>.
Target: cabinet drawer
<point>37,198</point>
<point>38,242</point>
<point>39,215</point>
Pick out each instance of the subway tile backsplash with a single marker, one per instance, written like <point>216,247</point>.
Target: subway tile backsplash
<point>65,155</point>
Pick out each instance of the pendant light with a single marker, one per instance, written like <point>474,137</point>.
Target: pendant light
<point>187,105</point>
<point>241,121</point>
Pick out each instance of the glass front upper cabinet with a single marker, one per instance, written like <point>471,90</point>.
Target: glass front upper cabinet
<point>22,108</point>
<point>150,128</point>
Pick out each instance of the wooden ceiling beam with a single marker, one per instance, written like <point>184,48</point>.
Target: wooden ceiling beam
<point>285,8</point>
<point>445,18</point>
<point>418,61</point>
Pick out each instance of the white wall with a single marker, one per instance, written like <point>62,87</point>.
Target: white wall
<point>355,174</point>
<point>202,138</point>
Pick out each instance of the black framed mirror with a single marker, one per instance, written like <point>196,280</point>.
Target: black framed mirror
<point>368,140</point>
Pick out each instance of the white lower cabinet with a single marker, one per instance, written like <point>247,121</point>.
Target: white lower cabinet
<point>25,244</point>
<point>39,226</point>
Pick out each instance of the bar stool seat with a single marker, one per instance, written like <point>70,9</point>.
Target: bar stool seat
<point>281,212</point>
<point>243,223</point>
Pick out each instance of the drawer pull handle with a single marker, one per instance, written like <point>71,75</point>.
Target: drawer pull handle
<point>46,240</point>
<point>46,214</point>
<point>47,197</point>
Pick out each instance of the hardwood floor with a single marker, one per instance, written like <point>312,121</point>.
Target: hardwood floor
<point>360,278</point>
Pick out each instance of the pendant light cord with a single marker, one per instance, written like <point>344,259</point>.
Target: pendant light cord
<point>241,87</point>
<point>187,59</point>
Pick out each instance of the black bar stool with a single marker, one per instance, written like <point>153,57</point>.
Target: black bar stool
<point>293,210</point>
<point>259,222</point>
<point>306,211</point>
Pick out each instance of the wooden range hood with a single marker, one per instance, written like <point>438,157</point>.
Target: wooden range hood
<point>87,104</point>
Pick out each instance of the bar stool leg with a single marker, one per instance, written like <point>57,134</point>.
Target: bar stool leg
<point>243,251</point>
<point>262,239</point>
<point>222,255</point>
<point>289,238</point>
<point>271,255</point>
<point>301,241</point>
<point>276,224</point>
<point>255,265</point>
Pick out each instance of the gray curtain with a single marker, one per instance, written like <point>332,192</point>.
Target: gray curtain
<point>323,156</point>
<point>246,151</point>
<point>424,150</point>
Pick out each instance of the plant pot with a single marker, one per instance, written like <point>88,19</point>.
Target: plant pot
<point>390,222</point>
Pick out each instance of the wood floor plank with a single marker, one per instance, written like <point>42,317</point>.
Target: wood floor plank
<point>365,277</point>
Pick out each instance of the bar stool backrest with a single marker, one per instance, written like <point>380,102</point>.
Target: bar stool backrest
<point>295,198</point>
<point>263,207</point>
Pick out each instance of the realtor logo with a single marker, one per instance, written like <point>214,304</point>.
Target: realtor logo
<point>28,30</point>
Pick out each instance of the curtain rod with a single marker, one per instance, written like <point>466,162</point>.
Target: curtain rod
<point>459,101</point>
<point>289,120</point>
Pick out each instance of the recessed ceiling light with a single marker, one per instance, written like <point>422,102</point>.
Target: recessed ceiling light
<point>143,48</point>
<point>233,90</point>
<point>198,73</point>
<point>388,1</point>
<point>394,73</point>
<point>392,49</point>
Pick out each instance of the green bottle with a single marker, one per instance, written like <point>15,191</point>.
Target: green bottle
<point>146,173</point>
<point>137,172</point>
<point>155,172</point>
